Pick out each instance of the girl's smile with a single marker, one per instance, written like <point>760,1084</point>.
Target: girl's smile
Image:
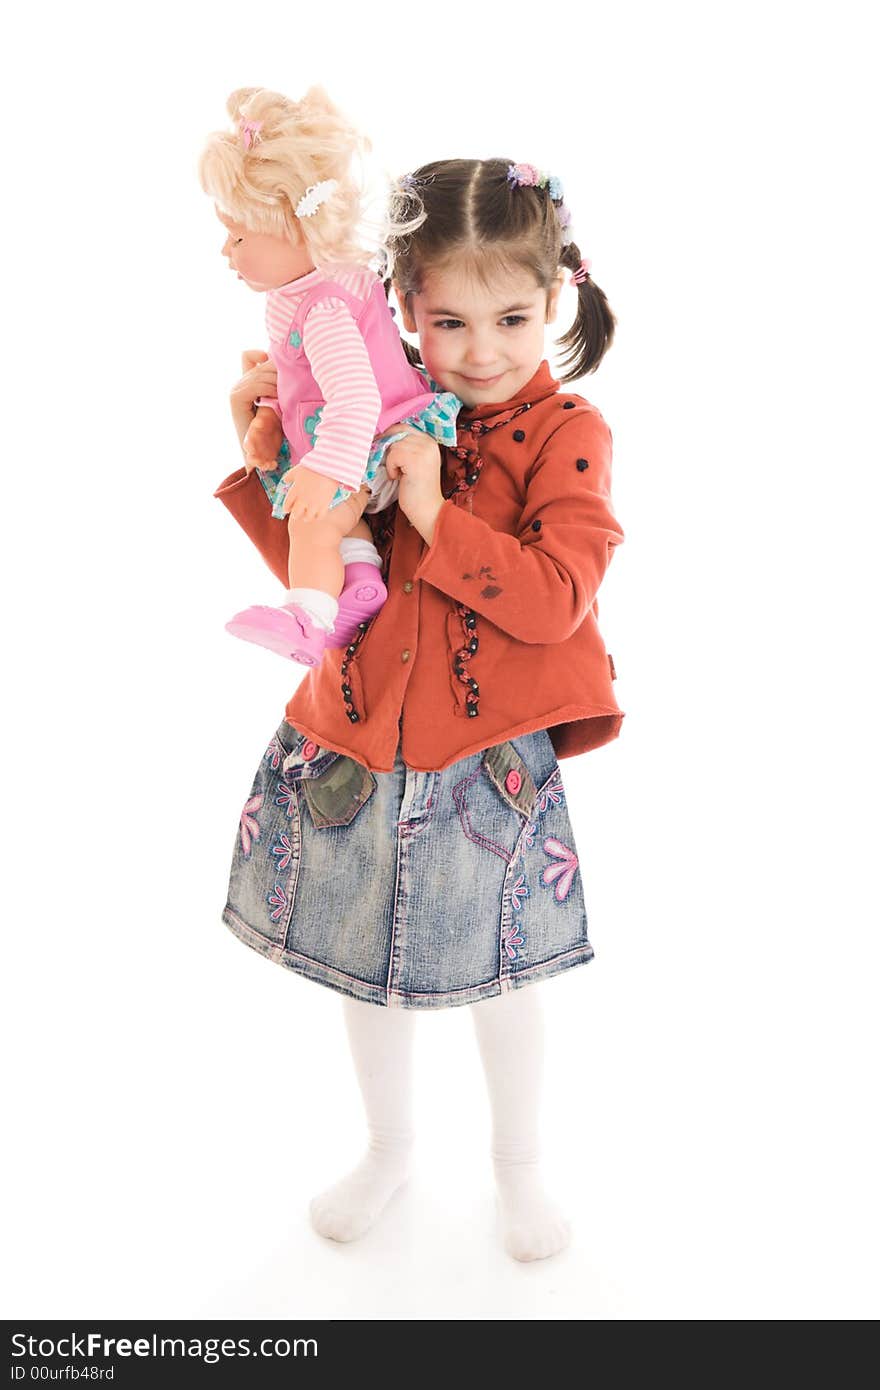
<point>484,342</point>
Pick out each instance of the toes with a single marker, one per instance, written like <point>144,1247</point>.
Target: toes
<point>339,1223</point>
<point>537,1239</point>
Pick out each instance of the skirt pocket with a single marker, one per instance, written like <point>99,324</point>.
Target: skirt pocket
<point>295,772</point>
<point>338,794</point>
<point>334,786</point>
<point>499,785</point>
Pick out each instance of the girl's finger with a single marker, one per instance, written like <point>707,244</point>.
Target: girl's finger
<point>251,357</point>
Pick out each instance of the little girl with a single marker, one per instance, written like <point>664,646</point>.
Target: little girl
<point>285,193</point>
<point>406,840</point>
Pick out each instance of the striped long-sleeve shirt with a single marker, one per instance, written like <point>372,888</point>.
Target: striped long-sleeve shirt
<point>340,365</point>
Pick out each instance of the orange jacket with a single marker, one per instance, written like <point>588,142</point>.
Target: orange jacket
<point>515,562</point>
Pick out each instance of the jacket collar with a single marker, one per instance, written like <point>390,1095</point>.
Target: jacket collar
<point>542,385</point>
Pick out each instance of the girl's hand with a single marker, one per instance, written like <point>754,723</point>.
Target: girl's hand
<point>258,378</point>
<point>310,493</point>
<point>416,462</point>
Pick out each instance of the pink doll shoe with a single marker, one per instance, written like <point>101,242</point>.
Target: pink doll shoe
<point>287,631</point>
<point>362,596</point>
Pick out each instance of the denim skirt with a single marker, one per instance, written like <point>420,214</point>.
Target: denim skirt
<point>410,889</point>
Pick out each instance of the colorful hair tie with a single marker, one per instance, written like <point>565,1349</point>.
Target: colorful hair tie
<point>582,273</point>
<point>314,196</point>
<point>249,132</point>
<point>527,176</point>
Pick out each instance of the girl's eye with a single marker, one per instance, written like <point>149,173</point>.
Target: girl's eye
<point>513,320</point>
<point>448,323</point>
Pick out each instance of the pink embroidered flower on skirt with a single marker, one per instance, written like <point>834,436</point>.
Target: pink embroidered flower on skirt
<point>519,892</point>
<point>562,874</point>
<point>552,795</point>
<point>275,753</point>
<point>250,829</point>
<point>277,900</point>
<point>286,798</point>
<point>511,937</point>
<point>283,851</point>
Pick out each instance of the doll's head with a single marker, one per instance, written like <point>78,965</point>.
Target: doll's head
<point>495,237</point>
<point>284,172</point>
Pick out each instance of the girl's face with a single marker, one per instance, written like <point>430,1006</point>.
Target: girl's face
<point>484,342</point>
<point>262,261</point>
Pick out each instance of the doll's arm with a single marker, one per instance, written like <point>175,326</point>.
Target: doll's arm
<point>342,368</point>
<point>539,584</point>
<point>264,438</point>
<point>257,382</point>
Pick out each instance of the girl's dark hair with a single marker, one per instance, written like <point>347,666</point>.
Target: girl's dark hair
<point>469,208</point>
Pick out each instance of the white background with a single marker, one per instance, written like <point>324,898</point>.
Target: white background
<point>173,1099</point>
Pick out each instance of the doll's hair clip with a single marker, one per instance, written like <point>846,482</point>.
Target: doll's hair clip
<point>250,131</point>
<point>314,196</point>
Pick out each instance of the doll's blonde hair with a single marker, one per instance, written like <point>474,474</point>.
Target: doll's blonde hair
<point>259,179</point>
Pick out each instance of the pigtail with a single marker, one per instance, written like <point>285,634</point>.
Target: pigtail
<point>592,333</point>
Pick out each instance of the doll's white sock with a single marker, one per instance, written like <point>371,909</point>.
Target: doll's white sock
<point>321,608</point>
<point>381,1041</point>
<point>358,550</point>
<point>510,1036</point>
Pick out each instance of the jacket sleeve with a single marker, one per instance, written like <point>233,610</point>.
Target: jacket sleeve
<point>539,584</point>
<point>243,495</point>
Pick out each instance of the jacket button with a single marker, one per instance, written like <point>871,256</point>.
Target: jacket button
<point>309,751</point>
<point>519,436</point>
<point>407,586</point>
<point>404,655</point>
<point>513,781</point>
<point>582,464</point>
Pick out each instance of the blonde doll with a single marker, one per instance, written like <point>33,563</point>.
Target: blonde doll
<point>284,190</point>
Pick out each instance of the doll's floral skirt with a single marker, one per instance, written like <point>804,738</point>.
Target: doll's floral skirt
<point>437,419</point>
<point>410,889</point>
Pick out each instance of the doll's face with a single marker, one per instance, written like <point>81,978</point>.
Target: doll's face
<point>484,342</point>
<point>262,261</point>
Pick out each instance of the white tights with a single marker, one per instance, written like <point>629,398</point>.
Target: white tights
<point>509,1032</point>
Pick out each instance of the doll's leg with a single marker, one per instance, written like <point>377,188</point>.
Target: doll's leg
<point>335,581</point>
<point>315,559</point>
<point>381,1041</point>
<point>510,1036</point>
<point>335,571</point>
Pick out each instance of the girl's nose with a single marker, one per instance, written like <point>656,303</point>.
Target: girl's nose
<point>480,350</point>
